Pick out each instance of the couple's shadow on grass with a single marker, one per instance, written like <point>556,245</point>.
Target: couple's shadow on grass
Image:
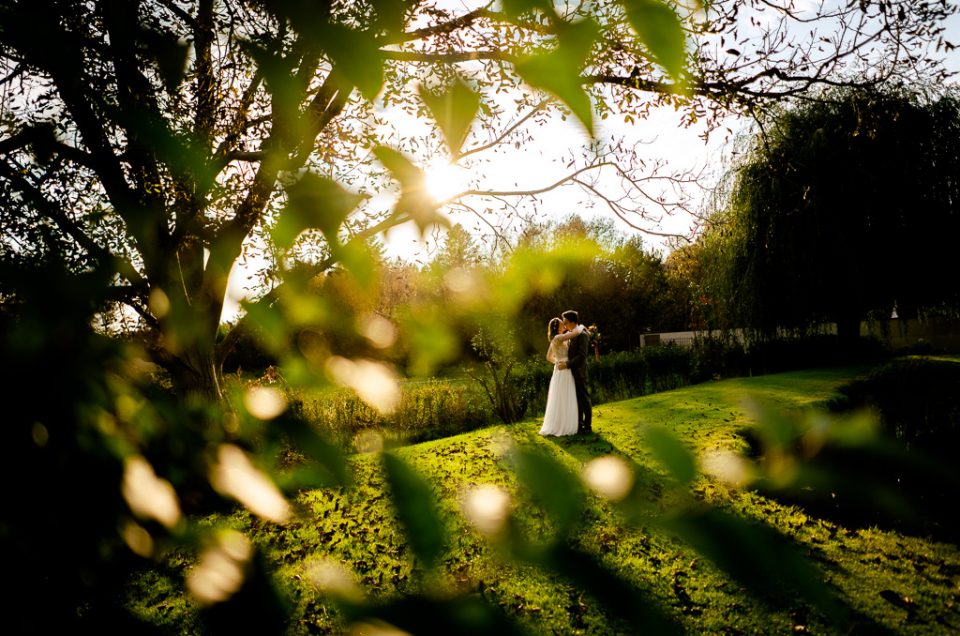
<point>650,485</point>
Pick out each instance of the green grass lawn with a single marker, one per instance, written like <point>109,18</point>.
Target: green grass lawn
<point>890,582</point>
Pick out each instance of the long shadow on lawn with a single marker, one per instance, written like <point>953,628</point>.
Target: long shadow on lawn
<point>737,558</point>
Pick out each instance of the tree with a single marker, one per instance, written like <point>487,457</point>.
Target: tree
<point>498,359</point>
<point>459,250</point>
<point>842,207</point>
<point>162,140</point>
<point>622,288</point>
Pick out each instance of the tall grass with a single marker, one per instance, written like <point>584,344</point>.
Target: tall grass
<point>428,409</point>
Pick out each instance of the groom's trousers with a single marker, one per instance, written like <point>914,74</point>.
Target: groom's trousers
<point>584,407</point>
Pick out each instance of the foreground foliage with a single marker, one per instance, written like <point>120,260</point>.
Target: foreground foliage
<point>703,558</point>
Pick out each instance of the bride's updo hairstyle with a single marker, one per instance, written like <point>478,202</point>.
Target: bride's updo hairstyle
<point>553,328</point>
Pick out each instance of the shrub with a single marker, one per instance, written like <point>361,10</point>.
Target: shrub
<point>917,405</point>
<point>719,356</point>
<point>917,401</point>
<point>496,373</point>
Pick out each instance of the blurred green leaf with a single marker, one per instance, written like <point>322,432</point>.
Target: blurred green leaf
<point>537,271</point>
<point>180,152</point>
<point>281,83</point>
<point>558,72</point>
<point>357,258</point>
<point>402,169</point>
<point>552,486</point>
<point>389,14</point>
<point>842,465</point>
<point>660,30</point>
<point>432,340</point>
<point>756,556</point>
<point>777,430</point>
<point>516,8</point>
<point>269,324</point>
<point>416,509</point>
<point>414,201</point>
<point>465,615</point>
<point>643,612</point>
<point>314,202</point>
<point>860,428</point>
<point>330,468</point>
<point>43,139</point>
<point>356,54</point>
<point>671,453</point>
<point>454,110</point>
<point>170,54</point>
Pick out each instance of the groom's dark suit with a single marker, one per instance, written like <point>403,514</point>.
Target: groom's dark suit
<point>577,363</point>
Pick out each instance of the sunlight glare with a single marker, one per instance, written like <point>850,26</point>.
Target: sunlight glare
<point>444,180</point>
<point>159,303</point>
<point>487,508</point>
<point>329,576</point>
<point>375,383</point>
<point>137,539</point>
<point>236,476</point>
<point>220,571</point>
<point>727,467</point>
<point>378,330</point>
<point>148,496</point>
<point>375,628</point>
<point>461,281</point>
<point>264,402</point>
<point>40,434</point>
<point>610,477</point>
<point>368,442</point>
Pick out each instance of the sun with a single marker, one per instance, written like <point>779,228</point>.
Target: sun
<point>443,180</point>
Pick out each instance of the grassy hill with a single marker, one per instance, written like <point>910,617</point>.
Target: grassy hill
<point>887,581</point>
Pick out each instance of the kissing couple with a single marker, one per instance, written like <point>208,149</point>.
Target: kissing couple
<point>568,400</point>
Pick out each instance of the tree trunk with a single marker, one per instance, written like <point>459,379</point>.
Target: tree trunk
<point>197,375</point>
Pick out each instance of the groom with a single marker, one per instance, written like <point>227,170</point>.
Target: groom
<point>577,363</point>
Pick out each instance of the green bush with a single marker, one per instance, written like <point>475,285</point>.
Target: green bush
<point>719,356</point>
<point>916,403</point>
<point>917,400</point>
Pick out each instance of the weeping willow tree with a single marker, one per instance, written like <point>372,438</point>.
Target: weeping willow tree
<point>842,209</point>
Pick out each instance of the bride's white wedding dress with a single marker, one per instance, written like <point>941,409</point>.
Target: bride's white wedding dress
<point>561,413</point>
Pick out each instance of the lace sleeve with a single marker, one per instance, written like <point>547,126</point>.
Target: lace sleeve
<point>552,352</point>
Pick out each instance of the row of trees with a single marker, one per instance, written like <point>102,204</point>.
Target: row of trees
<point>620,285</point>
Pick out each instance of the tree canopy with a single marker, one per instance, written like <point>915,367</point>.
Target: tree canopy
<point>842,209</point>
<point>160,140</point>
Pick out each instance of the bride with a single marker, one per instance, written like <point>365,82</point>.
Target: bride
<point>561,413</point>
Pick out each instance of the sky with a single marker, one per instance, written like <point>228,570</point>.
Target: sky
<point>544,162</point>
<point>539,164</point>
<point>681,149</point>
